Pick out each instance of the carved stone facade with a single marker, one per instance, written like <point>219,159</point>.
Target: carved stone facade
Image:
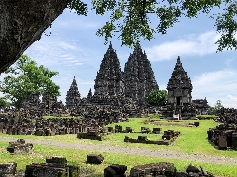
<point>201,105</point>
<point>179,86</point>
<point>31,101</point>
<point>73,96</point>
<point>139,79</point>
<point>179,94</point>
<point>48,100</point>
<point>109,82</point>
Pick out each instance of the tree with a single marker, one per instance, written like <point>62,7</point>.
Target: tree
<point>4,103</point>
<point>212,110</point>
<point>157,97</point>
<point>218,105</point>
<point>24,21</point>
<point>25,78</point>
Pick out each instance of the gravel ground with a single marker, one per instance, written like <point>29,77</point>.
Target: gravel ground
<point>135,151</point>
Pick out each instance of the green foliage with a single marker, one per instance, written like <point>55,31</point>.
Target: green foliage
<point>157,97</point>
<point>218,105</point>
<point>212,110</point>
<point>3,102</point>
<point>25,77</point>
<point>131,17</point>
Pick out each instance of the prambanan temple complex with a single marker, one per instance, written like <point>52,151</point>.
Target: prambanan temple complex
<point>126,90</point>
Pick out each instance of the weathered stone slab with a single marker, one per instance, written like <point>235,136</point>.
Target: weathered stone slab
<point>115,170</point>
<point>20,147</point>
<point>8,168</point>
<point>162,168</point>
<point>55,167</point>
<point>95,159</point>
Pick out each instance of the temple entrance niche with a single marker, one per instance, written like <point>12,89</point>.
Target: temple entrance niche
<point>178,100</point>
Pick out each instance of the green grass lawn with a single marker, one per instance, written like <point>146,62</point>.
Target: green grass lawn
<point>192,140</point>
<point>78,157</point>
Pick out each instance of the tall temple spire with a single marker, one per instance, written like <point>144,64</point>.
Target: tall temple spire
<point>139,78</point>
<point>109,79</point>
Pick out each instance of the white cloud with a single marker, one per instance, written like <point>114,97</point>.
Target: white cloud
<point>76,22</point>
<point>188,45</point>
<point>52,52</point>
<point>219,85</point>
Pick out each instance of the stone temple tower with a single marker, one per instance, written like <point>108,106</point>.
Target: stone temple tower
<point>109,83</point>
<point>139,79</point>
<point>179,86</point>
<point>73,96</point>
<point>179,95</point>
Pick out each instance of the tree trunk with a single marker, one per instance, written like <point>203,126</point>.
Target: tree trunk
<point>22,22</point>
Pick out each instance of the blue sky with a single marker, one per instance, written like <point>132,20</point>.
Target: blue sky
<point>73,49</point>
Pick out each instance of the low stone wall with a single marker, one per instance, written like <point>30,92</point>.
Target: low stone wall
<point>20,147</point>
<point>168,137</point>
<point>54,167</point>
<point>166,169</point>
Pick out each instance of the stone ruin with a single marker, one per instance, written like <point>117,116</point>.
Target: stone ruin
<point>73,96</point>
<point>166,169</point>
<point>126,89</point>
<point>109,82</point>
<point>31,101</point>
<point>168,137</point>
<point>224,136</point>
<point>57,167</point>
<point>94,159</point>
<point>139,79</point>
<point>201,106</point>
<point>20,147</point>
<point>179,95</point>
<point>36,125</point>
<point>54,167</point>
<point>8,169</point>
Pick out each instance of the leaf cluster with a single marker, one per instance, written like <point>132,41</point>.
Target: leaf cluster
<point>157,97</point>
<point>3,102</point>
<point>130,18</point>
<point>25,78</point>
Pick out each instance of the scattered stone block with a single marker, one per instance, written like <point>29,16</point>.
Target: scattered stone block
<point>145,130</point>
<point>8,169</point>
<point>157,130</point>
<point>192,168</point>
<point>20,147</point>
<point>163,168</point>
<point>115,170</point>
<point>95,159</point>
<point>55,167</point>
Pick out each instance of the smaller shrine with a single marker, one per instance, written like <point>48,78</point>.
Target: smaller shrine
<point>73,96</point>
<point>201,106</point>
<point>179,88</point>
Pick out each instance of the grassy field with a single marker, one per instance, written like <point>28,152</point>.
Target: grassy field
<point>192,140</point>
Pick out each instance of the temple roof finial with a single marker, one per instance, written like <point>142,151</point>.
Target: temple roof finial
<point>110,45</point>
<point>178,59</point>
